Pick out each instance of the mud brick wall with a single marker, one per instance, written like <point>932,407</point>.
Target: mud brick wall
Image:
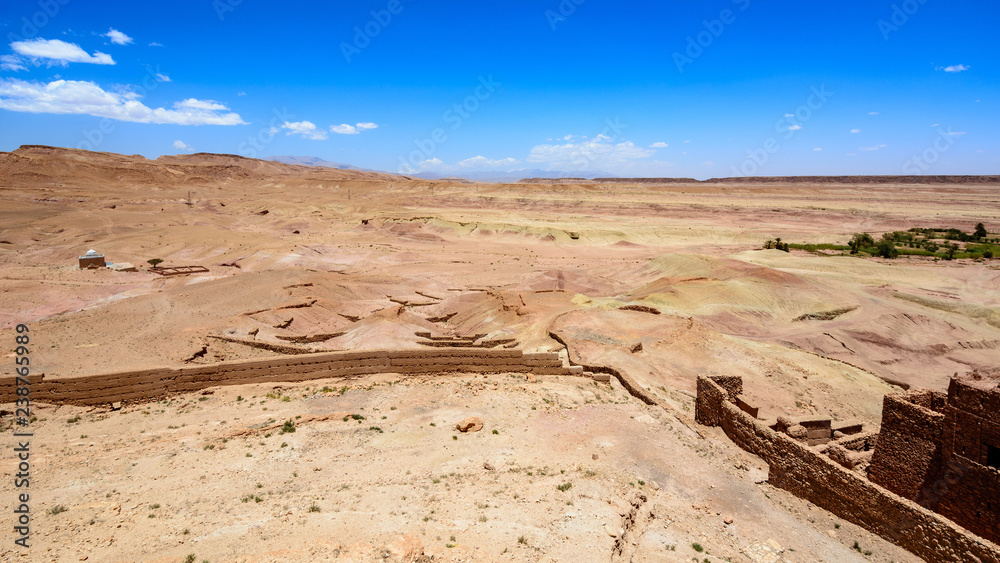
<point>908,456</point>
<point>155,383</point>
<point>969,490</point>
<point>812,476</point>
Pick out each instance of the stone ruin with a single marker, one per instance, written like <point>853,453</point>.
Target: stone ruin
<point>943,451</point>
<point>928,482</point>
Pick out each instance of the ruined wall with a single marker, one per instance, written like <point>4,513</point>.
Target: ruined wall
<point>908,456</point>
<point>970,493</point>
<point>810,475</point>
<point>154,383</point>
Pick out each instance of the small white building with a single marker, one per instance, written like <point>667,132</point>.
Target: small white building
<point>92,260</point>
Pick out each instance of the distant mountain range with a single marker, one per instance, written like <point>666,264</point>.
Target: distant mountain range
<point>498,176</point>
<point>507,176</point>
<point>316,161</point>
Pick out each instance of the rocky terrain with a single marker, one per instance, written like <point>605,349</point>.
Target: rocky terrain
<point>660,282</point>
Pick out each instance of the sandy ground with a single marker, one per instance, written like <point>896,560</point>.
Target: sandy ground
<point>357,260</point>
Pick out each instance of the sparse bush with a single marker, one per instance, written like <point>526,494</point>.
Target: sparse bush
<point>288,427</point>
<point>57,509</point>
<point>314,507</point>
<point>522,540</point>
<point>565,487</point>
<point>697,547</point>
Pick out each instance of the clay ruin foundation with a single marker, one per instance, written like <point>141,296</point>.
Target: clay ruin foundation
<point>825,463</point>
<point>943,451</point>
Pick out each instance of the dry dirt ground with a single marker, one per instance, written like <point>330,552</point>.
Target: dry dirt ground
<point>336,260</point>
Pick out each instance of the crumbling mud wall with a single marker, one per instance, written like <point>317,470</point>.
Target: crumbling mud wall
<point>810,475</point>
<point>155,383</point>
<point>908,456</point>
<point>971,434</point>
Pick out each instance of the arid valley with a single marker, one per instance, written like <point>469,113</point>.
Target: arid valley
<point>654,283</point>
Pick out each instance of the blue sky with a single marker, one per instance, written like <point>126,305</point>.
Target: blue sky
<point>706,89</point>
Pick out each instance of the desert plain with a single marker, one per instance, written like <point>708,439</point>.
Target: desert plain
<point>661,281</point>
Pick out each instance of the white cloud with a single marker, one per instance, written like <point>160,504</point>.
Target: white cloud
<point>953,68</point>
<point>241,93</point>
<point>12,63</point>
<point>955,133</point>
<point>162,77</point>
<point>305,129</point>
<point>87,98</point>
<point>873,113</point>
<point>855,130</point>
<point>659,145</point>
<point>686,142</point>
<point>789,115</point>
<point>872,148</point>
<point>588,153</point>
<point>182,146</point>
<point>935,125</point>
<point>484,163</point>
<point>117,37</point>
<point>345,129</point>
<point>207,105</point>
<point>155,44</point>
<point>795,127</point>
<point>818,149</point>
<point>60,51</point>
<point>476,163</point>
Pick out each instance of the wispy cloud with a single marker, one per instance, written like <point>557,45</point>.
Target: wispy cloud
<point>304,129</point>
<point>155,44</point>
<point>795,127</point>
<point>87,98</point>
<point>12,63</point>
<point>855,130</point>
<point>873,113</point>
<point>597,152</point>
<point>872,148</point>
<point>659,145</point>
<point>476,163</point>
<point>182,146</point>
<point>58,51</point>
<point>953,68</point>
<point>818,149</point>
<point>117,37</point>
<point>346,129</point>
